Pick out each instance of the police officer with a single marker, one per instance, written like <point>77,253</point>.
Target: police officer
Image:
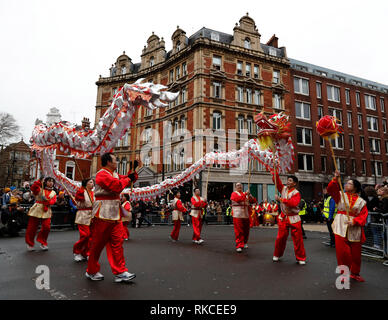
<point>329,212</point>
<point>228,215</point>
<point>302,213</point>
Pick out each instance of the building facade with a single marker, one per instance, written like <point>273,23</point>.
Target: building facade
<point>224,81</point>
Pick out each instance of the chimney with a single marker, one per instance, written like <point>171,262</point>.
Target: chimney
<point>273,42</point>
<point>85,123</point>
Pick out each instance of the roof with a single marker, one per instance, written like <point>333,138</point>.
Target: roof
<point>336,75</point>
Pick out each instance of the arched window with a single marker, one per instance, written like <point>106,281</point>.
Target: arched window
<point>152,61</point>
<point>247,43</point>
<point>178,45</point>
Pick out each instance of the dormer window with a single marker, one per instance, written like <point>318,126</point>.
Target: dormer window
<point>247,43</point>
<point>178,46</point>
<point>123,70</point>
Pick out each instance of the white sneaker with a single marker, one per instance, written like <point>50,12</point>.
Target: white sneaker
<point>43,247</point>
<point>301,262</point>
<point>94,277</point>
<point>239,250</point>
<point>125,276</point>
<point>79,257</point>
<point>275,259</point>
<point>245,246</point>
<point>200,241</point>
<point>29,248</point>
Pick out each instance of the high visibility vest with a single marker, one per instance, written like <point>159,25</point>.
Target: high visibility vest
<point>228,211</point>
<point>326,208</point>
<point>302,212</point>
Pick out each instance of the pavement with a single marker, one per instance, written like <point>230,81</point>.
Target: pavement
<point>186,271</point>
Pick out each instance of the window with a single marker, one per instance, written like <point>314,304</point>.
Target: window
<point>333,93</point>
<point>257,97</point>
<point>377,168</point>
<point>363,166</point>
<point>178,45</point>
<point>319,90</point>
<point>239,68</point>
<point>362,144</point>
<point>374,145</point>
<point>124,166</point>
<point>384,125</point>
<point>321,142</point>
<point>247,43</point>
<point>147,161</point>
<point>302,110</point>
<point>370,102</point>
<point>351,142</point>
<point>301,86</point>
<point>250,125</point>
<point>248,69</point>
<point>217,62</point>
<point>358,99</point>
<point>183,123</point>
<point>386,146</point>
<point>349,119</point>
<point>123,70</point>
<point>217,120</point>
<point>217,90</point>
<point>382,105</point>
<point>320,112</point>
<point>176,126</point>
<point>184,95</point>
<point>338,143</point>
<point>304,136</point>
<point>372,123</point>
<point>249,95</point>
<point>148,135</point>
<point>341,164</point>
<point>152,61</point>
<point>305,162</point>
<point>69,171</point>
<point>256,71</point>
<point>240,94</point>
<point>277,101</point>
<point>276,76</point>
<point>272,52</point>
<point>215,36</point>
<point>168,162</point>
<point>182,159</point>
<point>148,112</point>
<point>353,166</point>
<point>337,114</point>
<point>171,76</point>
<point>347,96</point>
<point>323,164</point>
<point>240,123</point>
<point>359,120</point>
<point>184,69</point>
<point>177,73</point>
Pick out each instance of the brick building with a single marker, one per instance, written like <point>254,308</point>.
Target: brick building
<point>14,161</point>
<point>224,80</point>
<point>359,104</point>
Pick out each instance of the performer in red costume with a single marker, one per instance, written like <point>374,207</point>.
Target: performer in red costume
<point>177,216</point>
<point>85,199</point>
<point>40,212</point>
<point>240,211</point>
<point>107,228</point>
<point>198,203</point>
<point>349,233</point>
<point>126,219</point>
<point>275,210</point>
<point>289,219</point>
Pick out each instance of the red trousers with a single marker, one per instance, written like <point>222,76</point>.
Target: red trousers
<point>175,231</point>
<point>32,228</point>
<point>110,235</point>
<point>348,254</point>
<point>125,230</point>
<point>241,231</point>
<point>82,246</point>
<point>297,238</point>
<point>197,227</point>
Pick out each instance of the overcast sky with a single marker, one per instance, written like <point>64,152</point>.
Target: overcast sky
<point>52,52</point>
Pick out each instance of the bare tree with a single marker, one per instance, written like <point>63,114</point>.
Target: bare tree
<point>9,130</point>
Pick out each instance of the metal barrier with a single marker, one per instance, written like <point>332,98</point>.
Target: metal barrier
<point>376,231</point>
